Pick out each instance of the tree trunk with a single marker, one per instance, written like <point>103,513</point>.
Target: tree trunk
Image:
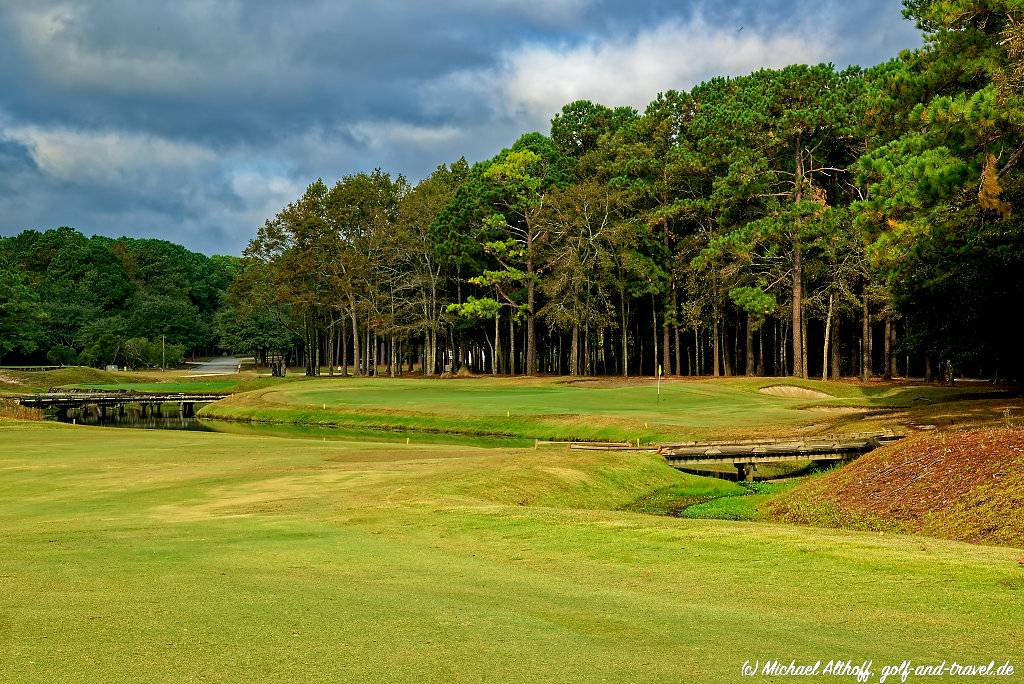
<point>512,344</point>
<point>893,372</point>
<point>654,335</point>
<point>760,350</point>
<point>691,358</point>
<point>496,366</point>
<point>828,339</point>
<point>429,349</point>
<point>798,278</point>
<point>587,361</point>
<point>531,332</point>
<point>803,344</point>
<point>836,357</point>
<point>393,368</point>
<point>355,342</point>
<point>726,346</point>
<point>666,344</point>
<point>887,350</point>
<point>750,346</point>
<point>574,351</point>
<point>330,348</point>
<point>625,333</point>
<point>865,347</point>
<point>698,352</point>
<point>433,350</point>
<point>716,369</point>
<point>368,359</point>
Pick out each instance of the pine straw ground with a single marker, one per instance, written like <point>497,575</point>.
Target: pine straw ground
<point>961,484</point>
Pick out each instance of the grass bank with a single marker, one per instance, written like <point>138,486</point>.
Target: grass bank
<point>14,381</point>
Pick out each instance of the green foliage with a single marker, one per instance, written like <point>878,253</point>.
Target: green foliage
<point>20,312</point>
<point>753,300</point>
<point>62,356</point>
<point>482,308</point>
<point>150,287</point>
<point>139,352</point>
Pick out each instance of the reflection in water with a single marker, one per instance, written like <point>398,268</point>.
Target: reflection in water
<point>170,416</point>
<point>167,416</point>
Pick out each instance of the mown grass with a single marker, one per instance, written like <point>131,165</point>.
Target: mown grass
<point>164,556</point>
<point>710,498</point>
<point>213,385</point>
<point>81,377</point>
<point>20,382</point>
<point>554,409</point>
<point>745,505</point>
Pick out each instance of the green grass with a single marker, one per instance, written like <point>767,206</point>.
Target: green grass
<point>20,382</point>
<point>551,409</point>
<point>744,505</point>
<point>80,377</point>
<point>180,382</point>
<point>709,498</point>
<point>164,556</point>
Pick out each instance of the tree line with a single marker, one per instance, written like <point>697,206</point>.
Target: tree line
<point>68,299</point>
<point>802,221</point>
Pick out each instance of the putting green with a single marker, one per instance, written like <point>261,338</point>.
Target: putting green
<point>620,410</point>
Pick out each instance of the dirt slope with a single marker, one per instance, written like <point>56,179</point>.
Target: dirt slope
<point>966,485</point>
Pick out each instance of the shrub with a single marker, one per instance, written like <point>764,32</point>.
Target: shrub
<point>62,356</point>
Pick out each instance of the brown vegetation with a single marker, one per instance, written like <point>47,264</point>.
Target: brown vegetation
<point>966,484</point>
<point>9,409</point>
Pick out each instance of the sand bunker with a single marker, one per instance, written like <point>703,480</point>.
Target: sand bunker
<point>839,409</point>
<point>794,392</point>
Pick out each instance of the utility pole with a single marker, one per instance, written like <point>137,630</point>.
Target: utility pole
<point>163,351</point>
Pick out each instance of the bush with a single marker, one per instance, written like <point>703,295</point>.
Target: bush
<point>142,352</point>
<point>62,356</point>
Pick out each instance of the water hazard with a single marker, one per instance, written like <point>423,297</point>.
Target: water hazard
<point>170,416</point>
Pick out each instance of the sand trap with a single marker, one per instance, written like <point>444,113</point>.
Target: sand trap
<point>794,392</point>
<point>838,409</point>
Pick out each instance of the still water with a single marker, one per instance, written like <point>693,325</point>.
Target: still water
<point>170,417</point>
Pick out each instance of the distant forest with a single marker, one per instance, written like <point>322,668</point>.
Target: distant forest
<point>67,299</point>
<point>803,221</point>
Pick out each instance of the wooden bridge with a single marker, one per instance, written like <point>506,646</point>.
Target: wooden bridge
<point>744,455</point>
<point>116,400</point>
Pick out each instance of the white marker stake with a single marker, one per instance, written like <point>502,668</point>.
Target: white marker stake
<point>659,383</point>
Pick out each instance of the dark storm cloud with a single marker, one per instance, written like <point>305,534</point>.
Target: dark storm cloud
<point>196,120</point>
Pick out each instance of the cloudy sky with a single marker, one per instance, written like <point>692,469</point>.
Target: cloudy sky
<point>195,120</point>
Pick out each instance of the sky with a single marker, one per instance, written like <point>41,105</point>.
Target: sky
<point>195,121</point>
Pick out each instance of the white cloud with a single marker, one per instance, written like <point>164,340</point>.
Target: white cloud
<point>106,157</point>
<point>537,79</point>
<point>387,133</point>
<point>262,195</point>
